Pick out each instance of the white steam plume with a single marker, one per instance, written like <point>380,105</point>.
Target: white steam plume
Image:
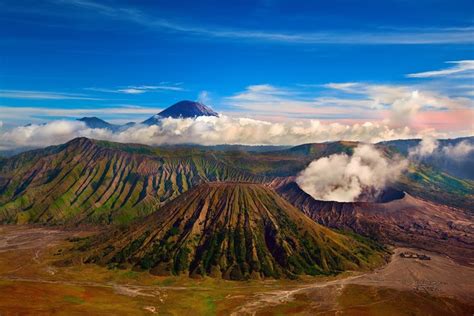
<point>344,178</point>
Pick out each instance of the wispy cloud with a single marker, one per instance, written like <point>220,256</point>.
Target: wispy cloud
<point>460,66</point>
<point>43,95</point>
<point>121,113</point>
<point>265,99</point>
<point>139,89</point>
<point>462,35</point>
<point>204,97</point>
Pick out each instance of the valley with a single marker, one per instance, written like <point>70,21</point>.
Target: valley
<point>31,283</point>
<point>100,227</point>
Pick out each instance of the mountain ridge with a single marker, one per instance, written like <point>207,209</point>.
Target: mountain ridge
<point>88,181</point>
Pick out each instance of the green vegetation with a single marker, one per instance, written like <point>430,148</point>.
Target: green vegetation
<point>431,184</point>
<point>73,299</point>
<point>98,182</point>
<point>233,231</point>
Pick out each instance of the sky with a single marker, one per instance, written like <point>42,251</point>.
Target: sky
<point>363,70</point>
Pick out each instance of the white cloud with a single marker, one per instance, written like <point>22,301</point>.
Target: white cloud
<point>270,100</point>
<point>131,91</point>
<point>429,146</point>
<point>403,103</point>
<point>204,97</point>
<point>139,89</point>
<point>426,147</point>
<point>41,135</point>
<point>207,131</point>
<point>460,66</point>
<point>459,151</point>
<point>345,178</point>
<point>399,104</point>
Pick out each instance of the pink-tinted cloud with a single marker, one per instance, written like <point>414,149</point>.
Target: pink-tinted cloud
<point>453,120</point>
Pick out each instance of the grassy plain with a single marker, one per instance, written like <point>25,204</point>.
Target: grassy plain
<point>31,284</point>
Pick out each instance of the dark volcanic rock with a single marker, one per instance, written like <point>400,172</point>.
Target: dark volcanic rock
<point>182,109</point>
<point>95,122</point>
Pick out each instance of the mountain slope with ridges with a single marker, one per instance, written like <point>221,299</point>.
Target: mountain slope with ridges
<point>234,231</point>
<point>86,181</point>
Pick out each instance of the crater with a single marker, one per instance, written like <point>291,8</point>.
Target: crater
<point>388,195</point>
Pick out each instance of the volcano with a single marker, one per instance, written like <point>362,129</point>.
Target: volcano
<point>182,109</point>
<point>95,122</point>
<point>395,217</point>
<point>234,231</point>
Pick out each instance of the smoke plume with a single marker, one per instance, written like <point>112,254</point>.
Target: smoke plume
<point>344,178</point>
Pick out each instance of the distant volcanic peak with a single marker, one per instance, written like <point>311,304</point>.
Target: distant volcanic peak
<point>95,122</point>
<point>187,109</point>
<point>233,231</point>
<point>90,119</point>
<point>182,109</point>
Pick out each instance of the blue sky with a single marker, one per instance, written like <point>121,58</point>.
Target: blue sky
<point>344,61</point>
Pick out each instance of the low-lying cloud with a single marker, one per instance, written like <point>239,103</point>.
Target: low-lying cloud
<point>425,148</point>
<point>430,147</point>
<point>206,131</point>
<point>345,178</point>
<point>459,151</point>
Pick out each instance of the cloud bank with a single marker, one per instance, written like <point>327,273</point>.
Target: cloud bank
<point>345,178</point>
<point>206,131</point>
<point>417,107</point>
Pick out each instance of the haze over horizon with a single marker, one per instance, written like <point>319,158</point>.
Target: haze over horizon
<point>277,72</point>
